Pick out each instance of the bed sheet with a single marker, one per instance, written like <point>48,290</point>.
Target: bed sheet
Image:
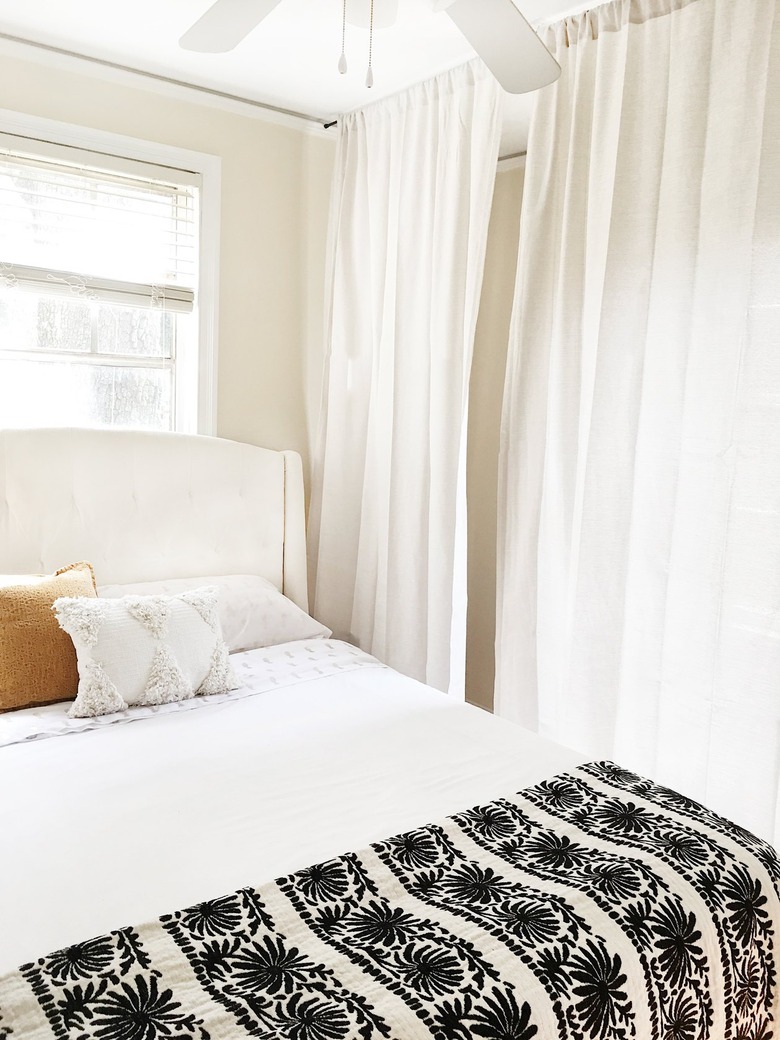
<point>258,671</point>
<point>323,751</point>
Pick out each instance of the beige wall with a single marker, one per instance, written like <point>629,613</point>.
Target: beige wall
<point>315,210</point>
<point>273,231</point>
<point>487,387</point>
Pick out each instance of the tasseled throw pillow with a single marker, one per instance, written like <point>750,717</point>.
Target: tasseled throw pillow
<point>145,650</point>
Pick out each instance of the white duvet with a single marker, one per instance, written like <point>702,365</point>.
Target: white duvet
<point>105,823</point>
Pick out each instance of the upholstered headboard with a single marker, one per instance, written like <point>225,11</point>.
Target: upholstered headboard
<point>148,506</point>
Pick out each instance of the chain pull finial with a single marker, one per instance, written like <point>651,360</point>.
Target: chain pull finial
<point>343,58</point>
<point>370,73</point>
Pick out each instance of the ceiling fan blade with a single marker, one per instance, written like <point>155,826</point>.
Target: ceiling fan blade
<point>225,25</point>
<point>507,44</point>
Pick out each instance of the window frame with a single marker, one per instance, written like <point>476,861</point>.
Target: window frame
<point>208,169</point>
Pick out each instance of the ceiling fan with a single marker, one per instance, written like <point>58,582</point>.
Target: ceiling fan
<point>496,29</point>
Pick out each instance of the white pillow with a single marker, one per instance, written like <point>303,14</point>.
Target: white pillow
<point>145,650</point>
<point>252,611</point>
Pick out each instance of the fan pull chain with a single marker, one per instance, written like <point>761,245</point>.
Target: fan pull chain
<point>370,73</point>
<point>343,58</point>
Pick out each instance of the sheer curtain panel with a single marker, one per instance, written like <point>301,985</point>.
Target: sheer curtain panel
<point>413,188</point>
<point>639,598</point>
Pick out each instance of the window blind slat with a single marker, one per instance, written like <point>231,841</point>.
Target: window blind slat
<point>66,283</point>
<point>112,169</point>
<point>21,197</point>
<point>58,217</point>
<point>70,224</point>
<point>63,176</point>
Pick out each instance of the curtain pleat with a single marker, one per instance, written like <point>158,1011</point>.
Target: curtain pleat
<point>639,522</point>
<point>413,188</point>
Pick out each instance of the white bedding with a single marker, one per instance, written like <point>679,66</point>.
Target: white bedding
<point>259,671</point>
<point>105,824</point>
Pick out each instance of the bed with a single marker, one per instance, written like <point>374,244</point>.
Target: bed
<point>331,850</point>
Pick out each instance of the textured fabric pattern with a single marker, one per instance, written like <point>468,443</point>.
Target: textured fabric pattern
<point>37,660</point>
<point>145,650</point>
<point>593,906</point>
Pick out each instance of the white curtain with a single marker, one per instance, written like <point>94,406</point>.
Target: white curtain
<point>639,555</point>
<point>414,184</point>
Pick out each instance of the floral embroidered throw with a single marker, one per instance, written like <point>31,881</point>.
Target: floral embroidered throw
<point>593,906</point>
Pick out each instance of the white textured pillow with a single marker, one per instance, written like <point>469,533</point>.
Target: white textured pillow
<point>252,611</point>
<point>145,650</point>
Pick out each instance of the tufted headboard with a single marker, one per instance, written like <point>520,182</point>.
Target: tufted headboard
<point>147,506</point>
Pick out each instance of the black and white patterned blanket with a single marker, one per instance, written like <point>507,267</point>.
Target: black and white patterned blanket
<point>594,905</point>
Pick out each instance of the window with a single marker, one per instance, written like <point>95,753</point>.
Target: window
<point>99,290</point>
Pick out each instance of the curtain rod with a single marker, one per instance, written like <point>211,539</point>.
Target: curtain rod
<point>501,158</point>
<point>156,77</point>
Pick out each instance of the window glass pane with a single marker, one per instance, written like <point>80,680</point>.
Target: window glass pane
<point>31,322</point>
<point>148,332</point>
<point>44,393</point>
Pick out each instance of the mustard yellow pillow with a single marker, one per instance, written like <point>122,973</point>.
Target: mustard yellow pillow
<point>37,659</point>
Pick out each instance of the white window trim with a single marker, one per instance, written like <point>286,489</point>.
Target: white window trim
<point>209,169</point>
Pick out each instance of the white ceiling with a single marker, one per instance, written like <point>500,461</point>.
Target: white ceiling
<point>289,61</point>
